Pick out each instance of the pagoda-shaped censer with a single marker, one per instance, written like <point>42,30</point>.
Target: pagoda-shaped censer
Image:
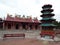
<point>47,22</point>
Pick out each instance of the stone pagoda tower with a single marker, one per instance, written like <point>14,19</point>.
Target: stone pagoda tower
<point>47,22</point>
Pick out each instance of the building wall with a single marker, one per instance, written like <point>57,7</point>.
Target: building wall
<point>21,26</point>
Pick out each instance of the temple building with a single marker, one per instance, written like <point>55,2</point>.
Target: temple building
<point>43,27</point>
<point>47,22</point>
<point>19,23</point>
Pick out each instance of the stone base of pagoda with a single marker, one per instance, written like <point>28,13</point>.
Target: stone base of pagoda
<point>50,34</point>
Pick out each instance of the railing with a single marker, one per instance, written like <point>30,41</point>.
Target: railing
<point>14,35</point>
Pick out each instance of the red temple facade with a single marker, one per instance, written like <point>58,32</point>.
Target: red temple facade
<point>19,23</point>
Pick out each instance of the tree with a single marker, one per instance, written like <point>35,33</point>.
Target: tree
<point>57,24</point>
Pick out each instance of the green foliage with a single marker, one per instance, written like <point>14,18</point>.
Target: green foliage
<point>57,24</point>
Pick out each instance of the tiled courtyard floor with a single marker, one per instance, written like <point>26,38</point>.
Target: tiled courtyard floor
<point>26,42</point>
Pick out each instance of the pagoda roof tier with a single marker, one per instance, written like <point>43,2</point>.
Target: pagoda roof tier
<point>47,19</point>
<point>48,24</point>
<point>47,6</point>
<point>47,15</point>
<point>48,10</point>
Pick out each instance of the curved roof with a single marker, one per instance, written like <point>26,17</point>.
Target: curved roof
<point>47,14</point>
<point>18,19</point>
<point>48,10</point>
<point>48,19</point>
<point>47,5</point>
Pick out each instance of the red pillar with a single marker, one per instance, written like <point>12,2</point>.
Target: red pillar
<point>20,27</point>
<point>28,27</point>
<point>13,26</point>
<point>33,27</point>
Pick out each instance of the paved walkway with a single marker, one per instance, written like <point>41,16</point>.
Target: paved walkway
<point>26,42</point>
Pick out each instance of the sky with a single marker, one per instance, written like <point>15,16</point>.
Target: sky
<point>28,7</point>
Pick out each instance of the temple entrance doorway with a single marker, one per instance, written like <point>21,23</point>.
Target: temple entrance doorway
<point>9,26</point>
<point>24,26</point>
<point>36,27</point>
<point>1,25</point>
<point>17,26</point>
<point>30,27</point>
